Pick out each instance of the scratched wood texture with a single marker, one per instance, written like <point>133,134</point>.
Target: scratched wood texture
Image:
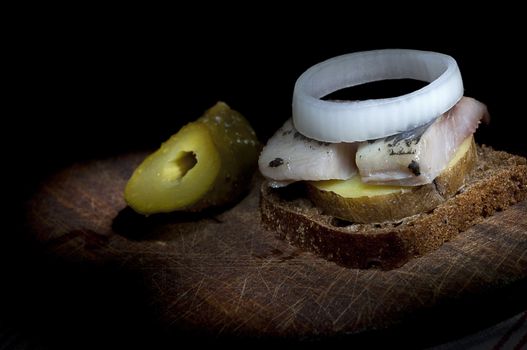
<point>222,273</point>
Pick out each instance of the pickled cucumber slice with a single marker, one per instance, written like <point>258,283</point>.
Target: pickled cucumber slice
<point>209,162</point>
<point>239,148</point>
<point>356,201</point>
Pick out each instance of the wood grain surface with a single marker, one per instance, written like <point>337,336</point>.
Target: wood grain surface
<point>221,273</point>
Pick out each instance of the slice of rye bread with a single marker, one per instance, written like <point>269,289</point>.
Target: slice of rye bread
<point>498,181</point>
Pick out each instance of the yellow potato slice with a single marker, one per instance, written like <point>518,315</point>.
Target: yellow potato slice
<point>355,201</point>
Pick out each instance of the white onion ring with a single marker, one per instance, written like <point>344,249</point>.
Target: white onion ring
<point>351,121</point>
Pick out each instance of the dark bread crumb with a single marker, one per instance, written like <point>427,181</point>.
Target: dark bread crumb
<point>499,180</point>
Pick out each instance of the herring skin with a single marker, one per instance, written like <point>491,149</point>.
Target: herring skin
<point>290,156</point>
<point>416,157</point>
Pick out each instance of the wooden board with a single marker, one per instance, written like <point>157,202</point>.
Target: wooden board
<point>223,274</point>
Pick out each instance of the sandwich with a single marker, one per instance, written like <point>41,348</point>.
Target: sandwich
<point>375,183</point>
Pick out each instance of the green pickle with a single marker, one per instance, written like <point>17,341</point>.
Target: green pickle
<point>209,162</point>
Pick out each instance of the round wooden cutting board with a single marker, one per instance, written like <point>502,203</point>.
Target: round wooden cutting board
<point>221,273</point>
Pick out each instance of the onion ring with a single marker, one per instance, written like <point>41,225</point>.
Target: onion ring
<point>351,121</point>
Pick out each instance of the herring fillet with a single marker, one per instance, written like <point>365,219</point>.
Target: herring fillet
<point>290,156</point>
<point>416,157</point>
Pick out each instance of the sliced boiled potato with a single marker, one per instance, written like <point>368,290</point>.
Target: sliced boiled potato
<point>359,202</point>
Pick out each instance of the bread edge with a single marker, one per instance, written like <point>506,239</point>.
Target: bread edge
<point>498,181</point>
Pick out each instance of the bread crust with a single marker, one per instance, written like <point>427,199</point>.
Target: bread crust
<point>498,181</point>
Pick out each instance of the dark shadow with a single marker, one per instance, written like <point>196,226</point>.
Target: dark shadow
<point>138,227</point>
<point>51,302</point>
<point>292,192</point>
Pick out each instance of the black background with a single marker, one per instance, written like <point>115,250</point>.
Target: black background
<point>90,96</point>
<point>90,88</point>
